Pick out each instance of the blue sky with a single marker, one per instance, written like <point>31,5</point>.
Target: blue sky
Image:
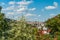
<point>33,10</point>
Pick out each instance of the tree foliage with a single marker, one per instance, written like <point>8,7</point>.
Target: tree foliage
<point>21,31</point>
<point>54,24</point>
<point>4,27</point>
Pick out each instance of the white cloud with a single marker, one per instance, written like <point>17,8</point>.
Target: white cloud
<point>52,15</point>
<point>32,9</point>
<point>21,9</point>
<point>55,4</point>
<point>23,5</point>
<point>39,15</point>
<point>29,14</point>
<point>24,2</point>
<point>8,8</point>
<point>11,2</point>
<point>10,13</point>
<point>18,9</point>
<point>52,7</point>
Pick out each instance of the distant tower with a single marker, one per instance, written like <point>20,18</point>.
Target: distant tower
<point>0,9</point>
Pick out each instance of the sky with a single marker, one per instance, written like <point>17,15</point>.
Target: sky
<point>33,10</point>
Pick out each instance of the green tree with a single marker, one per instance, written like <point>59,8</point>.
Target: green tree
<point>1,22</point>
<point>4,27</point>
<point>54,25</point>
<point>20,31</point>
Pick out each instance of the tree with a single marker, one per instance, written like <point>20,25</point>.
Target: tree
<point>20,31</point>
<point>54,24</point>
<point>1,22</point>
<point>4,27</point>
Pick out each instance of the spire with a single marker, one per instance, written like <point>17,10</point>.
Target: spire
<point>0,9</point>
